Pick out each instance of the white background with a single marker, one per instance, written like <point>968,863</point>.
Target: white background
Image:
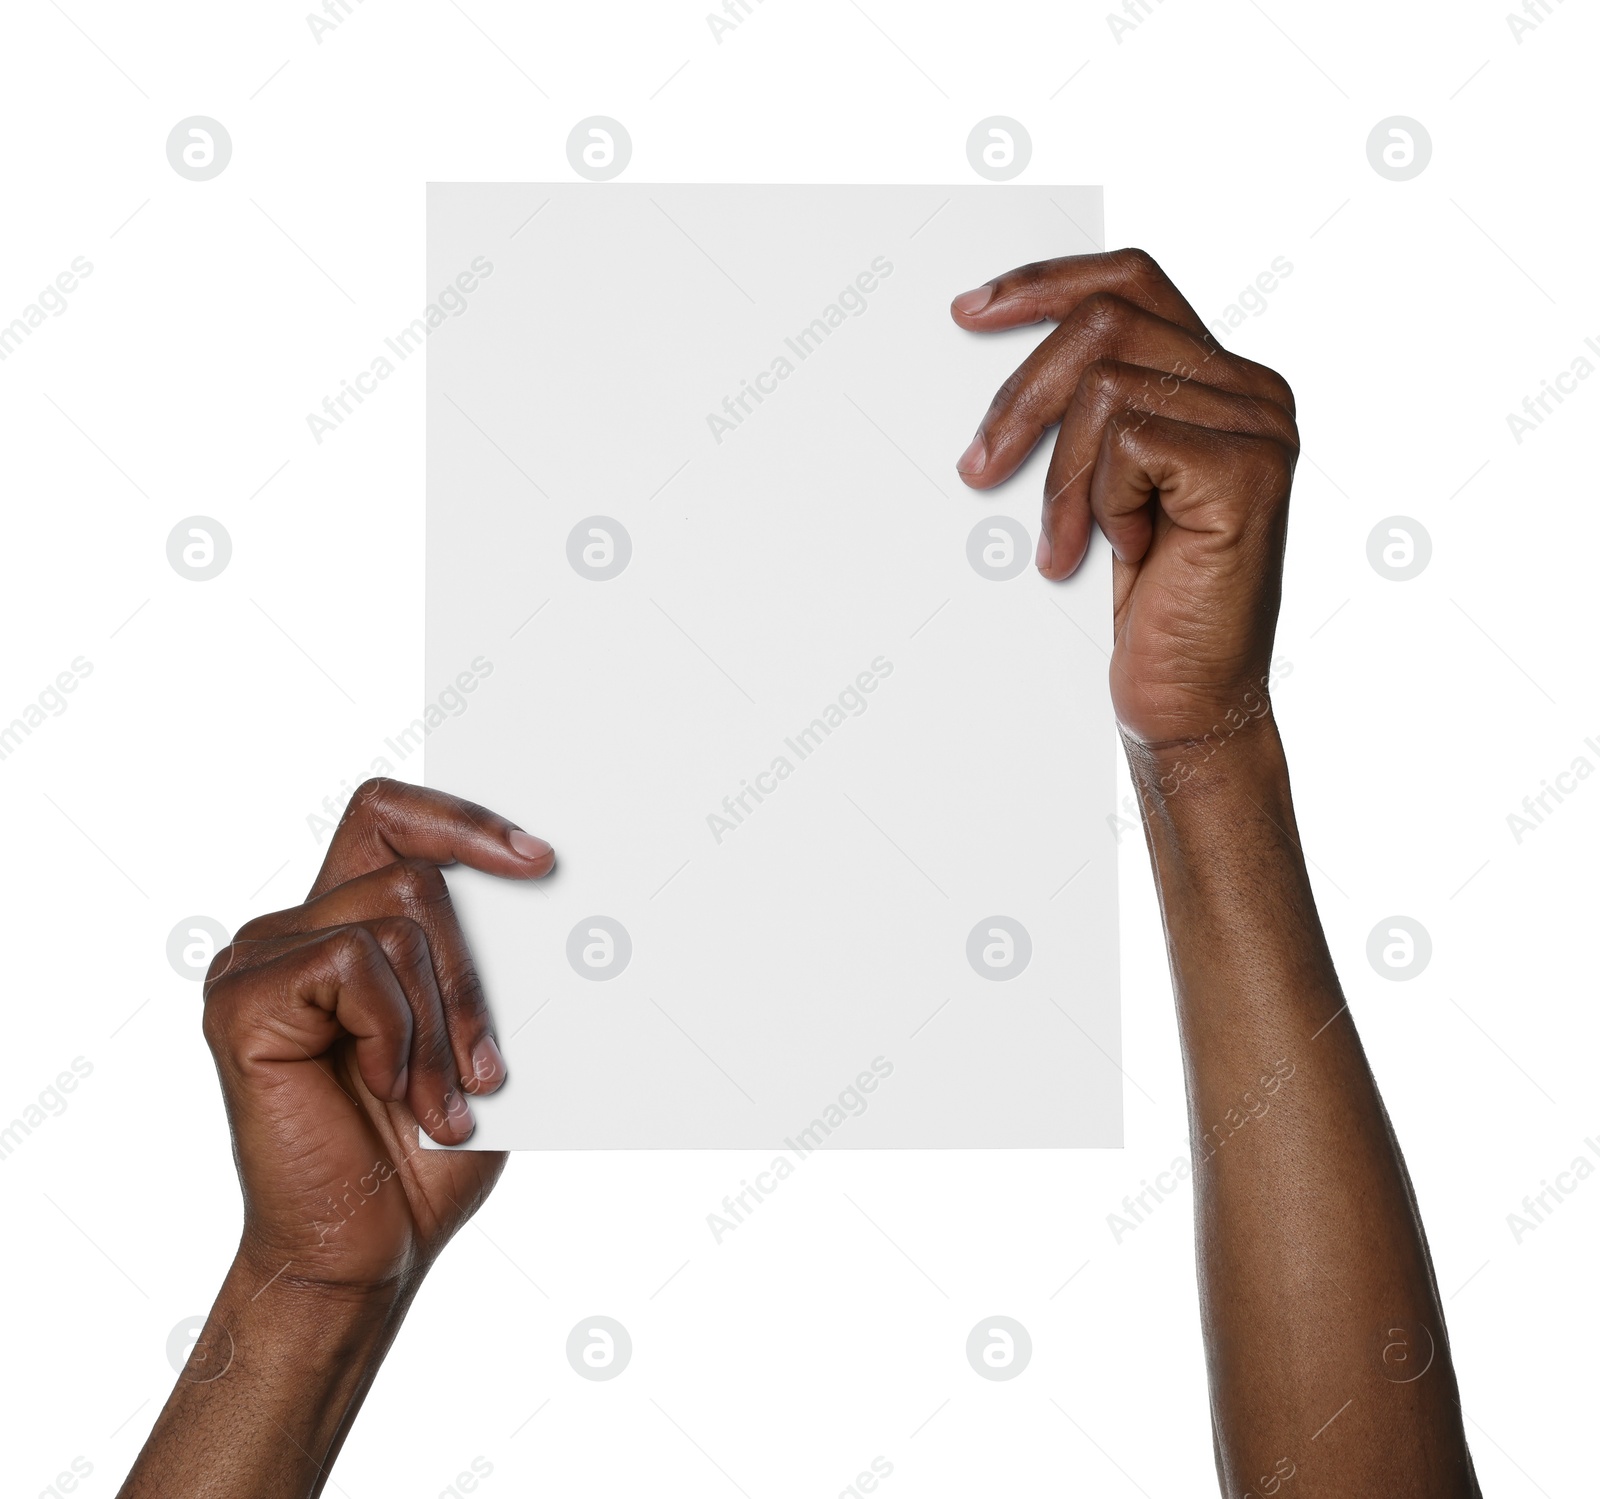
<point>218,716</point>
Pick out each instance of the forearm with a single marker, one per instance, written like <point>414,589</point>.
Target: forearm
<point>269,1392</point>
<point>1326,1338</point>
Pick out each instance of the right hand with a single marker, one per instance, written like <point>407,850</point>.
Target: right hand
<point>342,1025</point>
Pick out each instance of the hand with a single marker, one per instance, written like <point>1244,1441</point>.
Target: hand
<point>339,1025</point>
<point>1181,452</point>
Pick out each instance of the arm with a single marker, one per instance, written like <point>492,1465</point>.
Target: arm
<point>1326,1348</point>
<point>1325,1335</point>
<point>339,1029</point>
<point>271,1388</point>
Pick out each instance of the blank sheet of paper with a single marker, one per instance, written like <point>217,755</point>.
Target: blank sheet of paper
<point>827,765</point>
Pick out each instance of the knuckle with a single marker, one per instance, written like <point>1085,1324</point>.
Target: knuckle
<point>356,951</point>
<point>481,818</point>
<point>1019,394</point>
<point>1101,313</point>
<point>220,1012</point>
<point>1269,382</point>
<point>416,883</point>
<point>431,1050</point>
<point>373,789</point>
<point>1138,266</point>
<point>1213,353</point>
<point>370,798</point>
<point>1273,465</point>
<point>1102,376</point>
<point>213,1027</point>
<point>222,963</point>
<point>466,992</point>
<point>1010,392</point>
<point>1125,431</point>
<point>401,941</point>
<point>1025,278</point>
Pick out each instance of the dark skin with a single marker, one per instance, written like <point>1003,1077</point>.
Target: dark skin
<point>343,1026</point>
<point>339,1027</point>
<point>1317,1292</point>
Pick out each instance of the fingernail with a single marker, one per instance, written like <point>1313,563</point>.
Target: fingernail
<point>973,460</point>
<point>457,1114</point>
<point>527,845</point>
<point>488,1067</point>
<point>1041,558</point>
<point>973,301</point>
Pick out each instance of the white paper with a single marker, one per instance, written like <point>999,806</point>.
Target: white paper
<point>690,486</point>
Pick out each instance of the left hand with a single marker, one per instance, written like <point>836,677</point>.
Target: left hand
<point>1181,452</point>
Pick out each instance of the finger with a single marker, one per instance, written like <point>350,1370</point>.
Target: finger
<point>291,1003</point>
<point>1050,289</point>
<point>1223,492</point>
<point>1109,390</point>
<point>390,820</point>
<point>288,999</point>
<point>413,888</point>
<point>1102,326</point>
<point>433,1090</point>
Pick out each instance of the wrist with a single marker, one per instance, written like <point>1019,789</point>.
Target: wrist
<point>1225,846</point>
<point>300,1348</point>
<point>297,1300</point>
<point>1232,879</point>
<point>317,1287</point>
<point>273,1319</point>
<point>1218,814</point>
<point>1218,772</point>
<point>270,1387</point>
